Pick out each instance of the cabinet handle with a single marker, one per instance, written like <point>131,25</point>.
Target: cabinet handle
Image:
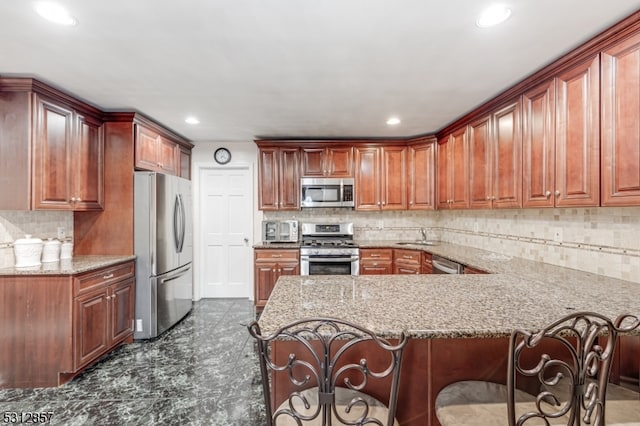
<point>410,203</point>
<point>375,263</point>
<point>276,255</point>
<point>374,255</point>
<point>407,257</point>
<point>557,193</point>
<point>106,277</point>
<point>384,203</point>
<point>547,194</point>
<point>378,202</point>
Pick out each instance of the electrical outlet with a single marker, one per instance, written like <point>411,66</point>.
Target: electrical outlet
<point>139,324</point>
<point>476,228</point>
<point>557,235</point>
<point>61,233</point>
<point>380,224</point>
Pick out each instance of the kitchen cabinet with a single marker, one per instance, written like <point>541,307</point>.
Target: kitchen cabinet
<point>453,170</point>
<point>269,265</point>
<point>495,158</point>
<point>334,161</point>
<point>427,265</point>
<point>470,270</point>
<point>421,175</point>
<point>621,123</point>
<point>561,142</point>
<point>64,323</point>
<point>279,178</point>
<point>381,177</point>
<point>407,261</point>
<point>103,311</point>
<point>52,151</point>
<point>578,135</point>
<point>185,163</point>
<point>155,152</point>
<point>376,261</point>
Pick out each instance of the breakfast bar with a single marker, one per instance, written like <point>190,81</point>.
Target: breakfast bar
<point>458,324</point>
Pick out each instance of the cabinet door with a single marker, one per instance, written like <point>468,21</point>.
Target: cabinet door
<point>268,179</point>
<point>90,331</point>
<point>577,136</point>
<point>88,166</point>
<point>121,310</point>
<point>621,124</point>
<point>459,169</point>
<point>264,282</point>
<point>406,269</point>
<point>480,170</point>
<point>339,161</point>
<point>185,163</point>
<point>289,182</point>
<point>52,153</point>
<point>313,162</point>
<point>288,269</point>
<point>146,148</point>
<point>421,176</point>
<point>539,148</point>
<point>427,265</point>
<point>168,154</point>
<point>507,157</point>
<point>393,184</point>
<point>443,173</point>
<point>367,178</point>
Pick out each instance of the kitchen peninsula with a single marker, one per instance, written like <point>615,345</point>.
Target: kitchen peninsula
<point>458,323</point>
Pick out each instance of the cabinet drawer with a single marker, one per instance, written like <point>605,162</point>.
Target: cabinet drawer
<point>277,255</point>
<point>375,254</point>
<point>94,279</point>
<point>411,257</point>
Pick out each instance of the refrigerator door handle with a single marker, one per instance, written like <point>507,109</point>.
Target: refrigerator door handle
<point>176,226</point>
<point>184,223</point>
<point>174,277</point>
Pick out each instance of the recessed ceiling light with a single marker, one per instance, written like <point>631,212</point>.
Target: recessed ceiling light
<point>493,15</point>
<point>191,120</point>
<point>393,121</point>
<point>55,13</point>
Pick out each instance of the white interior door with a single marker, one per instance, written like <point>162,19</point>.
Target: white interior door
<point>226,224</point>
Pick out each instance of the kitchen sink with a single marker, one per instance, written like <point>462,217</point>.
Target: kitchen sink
<point>418,243</point>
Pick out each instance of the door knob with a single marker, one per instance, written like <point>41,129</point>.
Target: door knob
<point>246,240</point>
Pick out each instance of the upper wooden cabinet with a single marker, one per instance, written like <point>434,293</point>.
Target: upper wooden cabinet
<point>453,170</point>
<point>421,175</point>
<point>621,124</point>
<point>578,135</point>
<point>155,152</point>
<point>279,178</point>
<point>185,163</point>
<point>335,161</point>
<point>51,155</point>
<point>495,159</point>
<point>381,177</point>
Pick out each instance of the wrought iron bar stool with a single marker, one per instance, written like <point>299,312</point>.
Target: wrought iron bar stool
<point>564,370</point>
<point>322,367</point>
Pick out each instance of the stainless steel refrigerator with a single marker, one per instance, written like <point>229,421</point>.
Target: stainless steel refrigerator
<point>163,228</point>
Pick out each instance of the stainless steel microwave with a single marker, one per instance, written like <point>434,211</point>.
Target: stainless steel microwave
<point>326,192</point>
<point>279,231</point>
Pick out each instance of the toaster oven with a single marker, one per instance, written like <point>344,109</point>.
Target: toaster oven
<point>280,231</point>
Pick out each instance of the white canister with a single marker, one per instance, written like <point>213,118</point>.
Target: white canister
<point>27,251</point>
<point>66,252</point>
<point>51,251</point>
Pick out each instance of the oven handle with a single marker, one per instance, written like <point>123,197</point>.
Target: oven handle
<point>329,259</point>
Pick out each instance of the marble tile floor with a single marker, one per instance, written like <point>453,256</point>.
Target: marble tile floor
<point>201,372</point>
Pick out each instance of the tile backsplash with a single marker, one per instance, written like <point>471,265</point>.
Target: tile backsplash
<point>41,224</point>
<point>604,241</point>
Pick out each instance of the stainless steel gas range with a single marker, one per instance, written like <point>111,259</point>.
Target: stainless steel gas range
<point>328,249</point>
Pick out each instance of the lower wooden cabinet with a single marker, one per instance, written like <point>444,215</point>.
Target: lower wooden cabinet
<point>63,323</point>
<point>407,261</point>
<point>427,265</point>
<point>470,270</point>
<point>376,261</point>
<point>269,265</point>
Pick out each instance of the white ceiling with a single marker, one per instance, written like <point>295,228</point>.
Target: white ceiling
<point>297,68</point>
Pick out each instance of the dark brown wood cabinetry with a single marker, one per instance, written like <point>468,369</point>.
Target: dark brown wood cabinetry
<point>155,152</point>
<point>269,265</point>
<point>621,124</point>
<point>427,265</point>
<point>470,270</point>
<point>421,175</point>
<point>65,323</point>
<point>331,161</point>
<point>407,262</point>
<point>52,148</point>
<point>376,261</point>
<point>279,178</point>
<point>381,176</point>
<point>453,170</point>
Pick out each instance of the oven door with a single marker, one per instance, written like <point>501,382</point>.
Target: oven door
<point>319,264</point>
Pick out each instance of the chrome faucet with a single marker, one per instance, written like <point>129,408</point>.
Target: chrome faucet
<point>424,234</point>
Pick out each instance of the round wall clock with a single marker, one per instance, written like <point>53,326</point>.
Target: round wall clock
<point>222,156</point>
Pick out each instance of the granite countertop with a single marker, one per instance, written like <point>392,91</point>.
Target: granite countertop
<point>518,293</point>
<point>277,246</point>
<point>77,265</point>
